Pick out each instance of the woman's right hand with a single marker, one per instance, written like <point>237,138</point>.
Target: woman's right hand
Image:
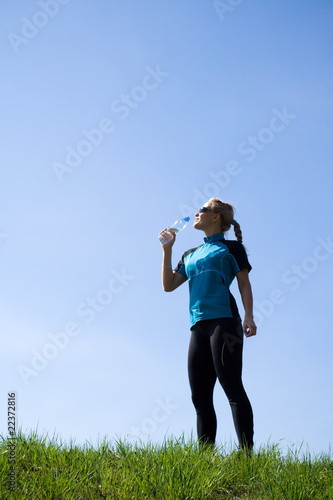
<point>170,243</point>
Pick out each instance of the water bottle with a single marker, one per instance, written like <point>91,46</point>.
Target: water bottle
<point>175,228</point>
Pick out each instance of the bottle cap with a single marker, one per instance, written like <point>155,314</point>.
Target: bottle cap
<point>187,219</point>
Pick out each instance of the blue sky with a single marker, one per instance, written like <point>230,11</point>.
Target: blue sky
<point>117,119</point>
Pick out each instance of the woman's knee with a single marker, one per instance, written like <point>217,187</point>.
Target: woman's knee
<point>201,400</point>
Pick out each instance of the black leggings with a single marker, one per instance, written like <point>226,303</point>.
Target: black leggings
<point>215,351</point>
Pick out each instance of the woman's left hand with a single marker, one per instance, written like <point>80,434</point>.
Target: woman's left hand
<point>249,327</point>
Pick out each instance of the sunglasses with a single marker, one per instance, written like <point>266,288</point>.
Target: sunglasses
<point>204,209</point>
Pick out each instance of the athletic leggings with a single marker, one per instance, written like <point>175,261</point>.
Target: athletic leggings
<point>215,351</point>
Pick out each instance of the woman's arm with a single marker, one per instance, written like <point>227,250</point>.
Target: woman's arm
<point>245,289</point>
<point>170,279</point>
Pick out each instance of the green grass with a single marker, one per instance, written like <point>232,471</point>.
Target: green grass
<point>174,470</point>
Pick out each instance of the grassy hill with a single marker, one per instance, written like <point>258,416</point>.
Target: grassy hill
<point>33,467</point>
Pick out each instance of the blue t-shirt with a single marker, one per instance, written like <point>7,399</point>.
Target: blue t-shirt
<point>210,270</point>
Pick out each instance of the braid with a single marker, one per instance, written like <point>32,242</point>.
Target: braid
<point>226,211</point>
<point>237,230</point>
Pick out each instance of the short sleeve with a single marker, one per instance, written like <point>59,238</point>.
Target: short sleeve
<point>180,268</point>
<point>237,249</point>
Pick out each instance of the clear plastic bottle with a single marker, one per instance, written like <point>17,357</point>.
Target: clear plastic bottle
<point>175,228</point>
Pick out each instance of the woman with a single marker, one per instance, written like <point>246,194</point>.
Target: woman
<point>215,350</point>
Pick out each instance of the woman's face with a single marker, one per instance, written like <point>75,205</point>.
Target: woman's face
<point>203,217</point>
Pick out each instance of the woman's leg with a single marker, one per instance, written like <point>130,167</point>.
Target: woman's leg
<point>202,377</point>
<point>227,350</point>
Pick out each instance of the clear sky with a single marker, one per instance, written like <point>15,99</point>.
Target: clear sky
<point>118,118</point>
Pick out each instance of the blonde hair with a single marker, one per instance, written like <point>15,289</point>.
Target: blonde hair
<point>226,212</point>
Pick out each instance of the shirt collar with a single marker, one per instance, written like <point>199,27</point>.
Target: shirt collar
<point>214,237</point>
